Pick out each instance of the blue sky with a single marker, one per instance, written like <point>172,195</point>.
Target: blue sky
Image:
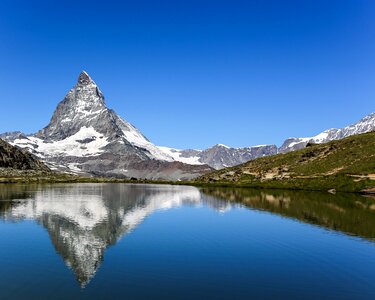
<point>190,74</point>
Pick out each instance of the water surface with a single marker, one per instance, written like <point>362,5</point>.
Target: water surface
<point>97,241</point>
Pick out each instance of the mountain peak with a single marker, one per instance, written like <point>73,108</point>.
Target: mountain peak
<point>84,78</point>
<point>221,145</point>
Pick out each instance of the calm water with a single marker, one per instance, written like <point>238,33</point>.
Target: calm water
<point>112,241</point>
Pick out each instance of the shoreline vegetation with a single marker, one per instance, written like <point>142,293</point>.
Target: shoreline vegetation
<point>346,165</point>
<point>329,184</point>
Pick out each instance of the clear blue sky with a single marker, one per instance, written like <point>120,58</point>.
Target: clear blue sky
<point>190,74</point>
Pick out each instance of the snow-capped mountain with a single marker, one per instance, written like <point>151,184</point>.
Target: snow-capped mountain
<point>83,220</point>
<point>366,124</point>
<point>84,136</point>
<point>220,156</point>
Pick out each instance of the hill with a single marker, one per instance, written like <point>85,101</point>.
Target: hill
<point>13,160</point>
<point>343,165</point>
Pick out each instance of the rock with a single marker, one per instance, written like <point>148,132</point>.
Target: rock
<point>369,191</point>
<point>332,191</point>
<point>14,158</point>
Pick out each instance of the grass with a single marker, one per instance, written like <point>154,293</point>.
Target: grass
<point>68,178</point>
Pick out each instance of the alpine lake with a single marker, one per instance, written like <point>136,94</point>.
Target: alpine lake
<point>124,241</point>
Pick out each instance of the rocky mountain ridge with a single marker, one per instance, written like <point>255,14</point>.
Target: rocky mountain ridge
<point>221,156</point>
<point>366,124</point>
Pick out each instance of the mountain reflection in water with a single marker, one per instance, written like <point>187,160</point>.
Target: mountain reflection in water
<point>85,219</point>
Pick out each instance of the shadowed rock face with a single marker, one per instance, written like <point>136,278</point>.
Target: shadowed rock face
<point>84,79</point>
<point>83,220</point>
<point>84,136</point>
<point>14,158</point>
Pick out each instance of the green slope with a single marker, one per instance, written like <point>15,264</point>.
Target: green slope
<point>344,165</point>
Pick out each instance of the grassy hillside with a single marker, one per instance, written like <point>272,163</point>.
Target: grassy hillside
<point>344,165</point>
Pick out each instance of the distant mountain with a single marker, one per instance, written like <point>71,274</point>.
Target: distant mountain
<point>84,136</point>
<point>366,124</point>
<point>220,156</point>
<point>12,157</point>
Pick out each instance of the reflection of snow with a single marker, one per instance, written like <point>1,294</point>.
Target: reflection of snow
<point>88,210</point>
<point>169,198</point>
<point>84,210</point>
<point>84,219</point>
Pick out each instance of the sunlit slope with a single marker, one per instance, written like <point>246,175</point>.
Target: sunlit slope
<point>347,165</point>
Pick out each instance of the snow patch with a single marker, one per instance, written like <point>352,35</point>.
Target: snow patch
<point>136,138</point>
<point>84,210</point>
<point>176,155</point>
<point>299,140</point>
<point>320,137</point>
<point>222,145</point>
<point>69,146</point>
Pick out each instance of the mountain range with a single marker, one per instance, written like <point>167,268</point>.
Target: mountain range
<point>366,124</point>
<point>84,136</point>
<point>221,156</point>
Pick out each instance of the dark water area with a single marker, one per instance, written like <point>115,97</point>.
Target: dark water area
<point>117,241</point>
